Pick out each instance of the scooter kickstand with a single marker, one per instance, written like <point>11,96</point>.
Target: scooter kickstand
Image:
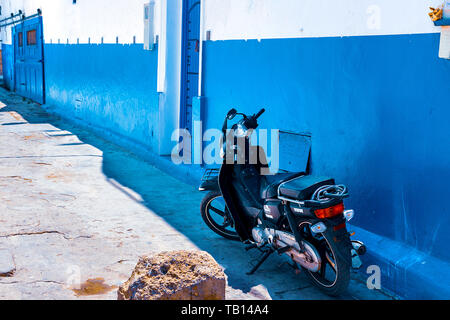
<point>251,246</point>
<point>260,262</point>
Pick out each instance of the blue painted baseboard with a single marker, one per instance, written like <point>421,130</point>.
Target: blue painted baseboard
<point>405,271</point>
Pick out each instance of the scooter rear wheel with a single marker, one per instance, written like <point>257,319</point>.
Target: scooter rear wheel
<point>213,208</point>
<point>334,275</point>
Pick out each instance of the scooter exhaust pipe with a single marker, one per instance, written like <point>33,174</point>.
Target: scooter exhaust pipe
<point>310,259</point>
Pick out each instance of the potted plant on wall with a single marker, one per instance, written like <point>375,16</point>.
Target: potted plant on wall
<point>441,15</point>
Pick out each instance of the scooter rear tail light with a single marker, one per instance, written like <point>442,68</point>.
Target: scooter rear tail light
<point>330,212</point>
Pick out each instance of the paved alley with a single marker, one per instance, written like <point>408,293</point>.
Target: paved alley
<point>77,208</point>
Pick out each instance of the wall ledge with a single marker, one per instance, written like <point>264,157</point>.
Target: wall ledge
<point>405,271</point>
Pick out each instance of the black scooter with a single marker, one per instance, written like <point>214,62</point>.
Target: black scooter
<point>289,213</point>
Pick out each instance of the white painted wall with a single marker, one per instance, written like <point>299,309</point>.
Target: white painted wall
<point>169,74</point>
<point>86,19</point>
<point>263,19</point>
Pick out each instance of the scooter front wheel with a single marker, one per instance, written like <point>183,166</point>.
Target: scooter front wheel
<point>217,217</point>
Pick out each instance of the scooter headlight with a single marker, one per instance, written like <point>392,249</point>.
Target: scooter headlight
<point>241,131</point>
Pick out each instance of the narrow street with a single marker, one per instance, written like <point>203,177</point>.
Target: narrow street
<point>77,208</point>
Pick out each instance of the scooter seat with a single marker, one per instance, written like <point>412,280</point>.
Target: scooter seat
<point>269,186</point>
<point>303,188</point>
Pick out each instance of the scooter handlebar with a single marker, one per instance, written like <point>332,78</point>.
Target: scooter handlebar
<point>260,113</point>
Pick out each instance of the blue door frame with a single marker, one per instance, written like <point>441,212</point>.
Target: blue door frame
<point>28,44</point>
<point>190,60</point>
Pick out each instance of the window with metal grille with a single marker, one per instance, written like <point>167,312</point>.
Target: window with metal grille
<point>31,37</point>
<point>20,39</point>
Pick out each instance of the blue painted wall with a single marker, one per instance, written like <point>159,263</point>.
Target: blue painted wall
<point>111,86</point>
<point>378,112</point>
<point>8,65</point>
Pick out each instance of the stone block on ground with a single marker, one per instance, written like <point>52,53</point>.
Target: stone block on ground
<point>175,275</point>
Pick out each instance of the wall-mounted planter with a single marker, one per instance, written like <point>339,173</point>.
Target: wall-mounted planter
<point>442,22</point>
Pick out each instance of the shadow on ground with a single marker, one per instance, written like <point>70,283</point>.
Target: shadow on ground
<point>178,203</point>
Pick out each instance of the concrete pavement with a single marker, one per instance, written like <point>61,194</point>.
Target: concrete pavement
<point>75,208</point>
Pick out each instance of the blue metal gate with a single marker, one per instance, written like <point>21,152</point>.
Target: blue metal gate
<point>190,60</point>
<point>29,59</point>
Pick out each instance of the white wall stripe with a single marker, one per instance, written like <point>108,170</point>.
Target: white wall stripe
<point>92,19</point>
<point>263,19</point>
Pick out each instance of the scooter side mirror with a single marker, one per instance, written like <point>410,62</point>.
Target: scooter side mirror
<point>231,114</point>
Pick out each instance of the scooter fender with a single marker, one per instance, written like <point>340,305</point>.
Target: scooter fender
<point>210,185</point>
<point>337,232</point>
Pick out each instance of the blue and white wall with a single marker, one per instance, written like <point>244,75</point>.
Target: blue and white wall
<point>364,79</point>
